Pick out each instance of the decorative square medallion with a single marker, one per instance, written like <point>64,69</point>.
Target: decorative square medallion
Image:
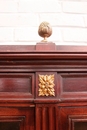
<point>46,85</point>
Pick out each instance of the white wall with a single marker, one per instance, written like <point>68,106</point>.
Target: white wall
<point>19,21</point>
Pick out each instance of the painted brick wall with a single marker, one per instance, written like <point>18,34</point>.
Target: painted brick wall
<point>19,21</point>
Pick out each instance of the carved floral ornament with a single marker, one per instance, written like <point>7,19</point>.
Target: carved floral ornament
<point>46,85</point>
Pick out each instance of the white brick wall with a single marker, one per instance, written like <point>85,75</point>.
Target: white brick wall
<point>75,7</point>
<point>8,6</point>
<point>75,34</point>
<point>19,21</point>
<point>40,6</point>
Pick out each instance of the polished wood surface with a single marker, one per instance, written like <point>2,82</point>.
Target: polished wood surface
<point>21,106</point>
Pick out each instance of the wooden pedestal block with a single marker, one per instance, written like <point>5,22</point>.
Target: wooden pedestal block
<point>45,46</point>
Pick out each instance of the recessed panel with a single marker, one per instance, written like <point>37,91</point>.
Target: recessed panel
<point>74,83</point>
<point>16,83</point>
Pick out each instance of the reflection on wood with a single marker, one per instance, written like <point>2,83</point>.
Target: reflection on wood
<point>45,117</point>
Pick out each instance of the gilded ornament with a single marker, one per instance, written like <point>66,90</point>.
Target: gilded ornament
<point>45,30</point>
<point>46,85</point>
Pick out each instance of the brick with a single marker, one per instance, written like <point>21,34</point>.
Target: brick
<point>12,20</point>
<point>28,19</point>
<point>31,34</point>
<point>39,6</point>
<point>56,34</point>
<point>63,19</point>
<point>6,34</point>
<point>85,19</point>
<point>75,34</point>
<point>8,20</point>
<point>27,34</point>
<point>8,6</point>
<point>75,7</point>
<point>69,26</point>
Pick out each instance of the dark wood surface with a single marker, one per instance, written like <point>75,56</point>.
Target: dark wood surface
<point>21,107</point>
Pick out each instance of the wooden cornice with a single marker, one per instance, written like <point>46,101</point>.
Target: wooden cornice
<point>29,52</point>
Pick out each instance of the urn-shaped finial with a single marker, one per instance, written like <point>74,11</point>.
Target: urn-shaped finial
<point>45,30</point>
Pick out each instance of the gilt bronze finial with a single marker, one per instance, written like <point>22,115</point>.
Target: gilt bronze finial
<point>45,30</point>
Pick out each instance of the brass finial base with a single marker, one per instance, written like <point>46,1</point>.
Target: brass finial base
<point>45,31</point>
<point>45,39</point>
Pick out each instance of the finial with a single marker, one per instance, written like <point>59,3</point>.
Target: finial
<point>45,30</point>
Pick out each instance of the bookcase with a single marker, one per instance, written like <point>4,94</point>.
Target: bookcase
<point>43,87</point>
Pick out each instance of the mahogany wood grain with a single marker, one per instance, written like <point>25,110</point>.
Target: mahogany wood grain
<point>21,107</point>
<point>73,118</point>
<point>12,118</point>
<point>46,117</point>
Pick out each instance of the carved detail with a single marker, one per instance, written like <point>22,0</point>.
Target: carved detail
<point>46,85</point>
<point>45,30</point>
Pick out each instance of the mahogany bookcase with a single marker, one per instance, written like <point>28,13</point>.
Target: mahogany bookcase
<point>43,87</point>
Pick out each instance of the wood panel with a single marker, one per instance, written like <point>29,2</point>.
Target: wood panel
<point>73,118</point>
<point>78,122</point>
<point>73,85</point>
<point>16,84</point>
<point>17,118</point>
